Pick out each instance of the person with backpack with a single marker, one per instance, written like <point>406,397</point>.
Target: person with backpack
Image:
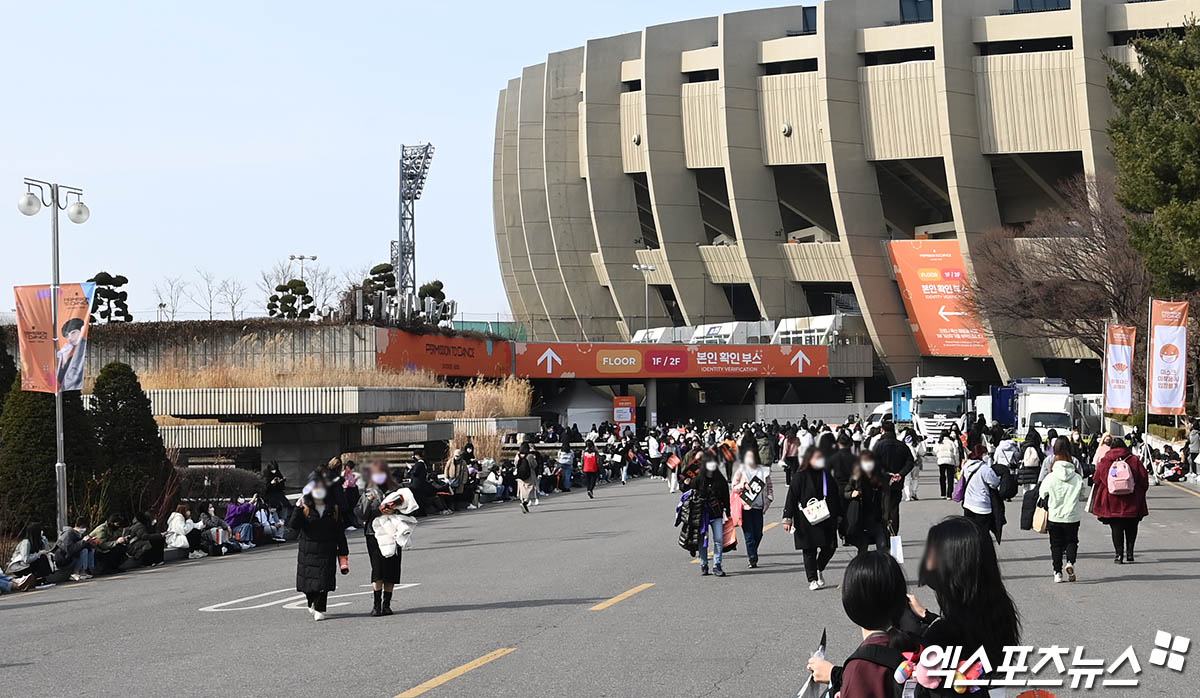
<point>1119,497</point>
<point>982,482</point>
<point>875,597</point>
<point>1060,491</point>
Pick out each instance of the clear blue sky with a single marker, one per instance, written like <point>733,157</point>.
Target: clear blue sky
<point>227,135</point>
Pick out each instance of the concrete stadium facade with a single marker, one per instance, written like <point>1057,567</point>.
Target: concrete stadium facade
<point>761,160</point>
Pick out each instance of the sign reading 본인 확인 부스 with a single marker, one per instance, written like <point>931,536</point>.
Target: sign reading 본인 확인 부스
<point>933,282</point>
<point>640,361</point>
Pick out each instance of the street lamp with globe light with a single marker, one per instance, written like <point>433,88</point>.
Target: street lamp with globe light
<point>55,197</point>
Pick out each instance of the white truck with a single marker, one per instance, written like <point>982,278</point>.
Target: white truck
<point>938,403</point>
<point>1043,404</point>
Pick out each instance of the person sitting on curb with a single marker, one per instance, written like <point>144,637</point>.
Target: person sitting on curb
<point>75,551</point>
<point>145,544</point>
<point>238,515</point>
<point>110,544</point>
<point>32,555</point>
<point>184,534</point>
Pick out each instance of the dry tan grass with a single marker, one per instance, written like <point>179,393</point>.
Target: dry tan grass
<point>312,376</point>
<point>483,399</point>
<point>486,445</point>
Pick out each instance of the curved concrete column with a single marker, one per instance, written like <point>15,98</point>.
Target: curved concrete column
<point>674,198</point>
<point>535,216</point>
<point>515,305</point>
<point>538,320</point>
<point>610,190</point>
<point>753,200</point>
<point>968,172</point>
<point>854,187</point>
<point>567,199</point>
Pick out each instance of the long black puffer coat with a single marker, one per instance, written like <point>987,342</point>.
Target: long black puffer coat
<point>322,539</point>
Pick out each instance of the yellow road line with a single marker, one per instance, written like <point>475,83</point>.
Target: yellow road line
<point>621,597</point>
<point>1181,488</point>
<point>455,673</point>
<point>769,526</point>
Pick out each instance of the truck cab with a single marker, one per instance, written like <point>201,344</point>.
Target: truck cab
<point>1039,403</point>
<point>938,403</point>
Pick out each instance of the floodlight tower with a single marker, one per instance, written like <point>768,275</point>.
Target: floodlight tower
<point>414,169</point>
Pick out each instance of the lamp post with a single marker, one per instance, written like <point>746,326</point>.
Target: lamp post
<point>55,197</point>
<point>301,258</point>
<point>646,270</point>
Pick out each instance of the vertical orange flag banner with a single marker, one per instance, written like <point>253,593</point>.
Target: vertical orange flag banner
<point>1118,369</point>
<point>45,366</point>
<point>1168,357</point>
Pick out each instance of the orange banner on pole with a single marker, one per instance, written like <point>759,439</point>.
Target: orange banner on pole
<point>44,366</point>
<point>445,356</point>
<point>1167,385</point>
<point>933,282</point>
<point>640,361</point>
<point>1118,369</point>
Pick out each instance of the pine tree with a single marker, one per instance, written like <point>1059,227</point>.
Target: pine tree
<point>28,453</point>
<point>8,373</point>
<point>1156,143</point>
<point>137,467</point>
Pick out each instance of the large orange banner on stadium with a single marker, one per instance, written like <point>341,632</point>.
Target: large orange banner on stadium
<point>445,356</point>
<point>44,366</point>
<point>937,296</point>
<point>1167,384</point>
<point>634,361</point>
<point>1118,369</point>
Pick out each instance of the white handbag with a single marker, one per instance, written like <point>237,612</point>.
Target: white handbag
<point>816,511</point>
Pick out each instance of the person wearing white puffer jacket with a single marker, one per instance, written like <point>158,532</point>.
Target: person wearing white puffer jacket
<point>375,507</point>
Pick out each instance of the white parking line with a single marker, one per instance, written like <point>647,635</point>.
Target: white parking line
<point>293,601</point>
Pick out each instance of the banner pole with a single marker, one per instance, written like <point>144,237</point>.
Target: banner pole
<point>1149,362</point>
<point>1104,358</point>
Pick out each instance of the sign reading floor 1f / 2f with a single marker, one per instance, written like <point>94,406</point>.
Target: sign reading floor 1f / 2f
<point>582,360</point>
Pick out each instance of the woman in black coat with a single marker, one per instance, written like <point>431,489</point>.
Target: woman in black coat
<point>322,533</point>
<point>711,490</point>
<point>865,502</point>
<point>818,541</point>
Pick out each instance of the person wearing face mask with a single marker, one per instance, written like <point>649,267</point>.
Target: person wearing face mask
<point>866,507</point>
<point>711,490</point>
<point>752,485</point>
<point>385,571</point>
<point>817,539</point>
<point>218,536</point>
<point>319,526</point>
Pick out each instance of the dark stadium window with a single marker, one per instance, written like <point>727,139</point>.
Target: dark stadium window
<point>925,53</point>
<point>810,20</point>
<point>703,75</point>
<point>999,48</point>
<point>1021,6</point>
<point>807,65</point>
<point>631,86</point>
<point>913,11</point>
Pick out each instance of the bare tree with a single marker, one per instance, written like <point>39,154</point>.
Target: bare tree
<point>1066,274</point>
<point>170,292</point>
<point>279,273</point>
<point>232,293</point>
<point>204,293</point>
<point>322,286</point>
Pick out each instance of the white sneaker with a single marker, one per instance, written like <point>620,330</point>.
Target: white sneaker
<point>813,586</point>
<point>77,577</point>
<point>1058,578</point>
<point>311,612</point>
<point>247,546</point>
<point>317,615</point>
<point>537,502</point>
<point>821,579</point>
<point>1070,570</point>
<point>471,507</point>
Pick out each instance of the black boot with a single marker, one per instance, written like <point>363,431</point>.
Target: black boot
<point>1129,555</point>
<point>376,611</point>
<point>386,609</point>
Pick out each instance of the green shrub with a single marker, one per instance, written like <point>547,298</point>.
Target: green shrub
<point>28,453</point>
<point>1168,433</point>
<point>201,484</point>
<point>137,469</point>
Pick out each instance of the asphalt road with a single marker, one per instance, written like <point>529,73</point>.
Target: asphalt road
<point>520,590</point>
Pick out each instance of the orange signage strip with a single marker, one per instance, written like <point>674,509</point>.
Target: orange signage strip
<point>638,361</point>
<point>937,296</point>
<point>446,356</point>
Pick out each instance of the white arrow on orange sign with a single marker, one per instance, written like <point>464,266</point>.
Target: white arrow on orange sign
<point>801,358</point>
<point>947,314</point>
<point>549,357</point>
